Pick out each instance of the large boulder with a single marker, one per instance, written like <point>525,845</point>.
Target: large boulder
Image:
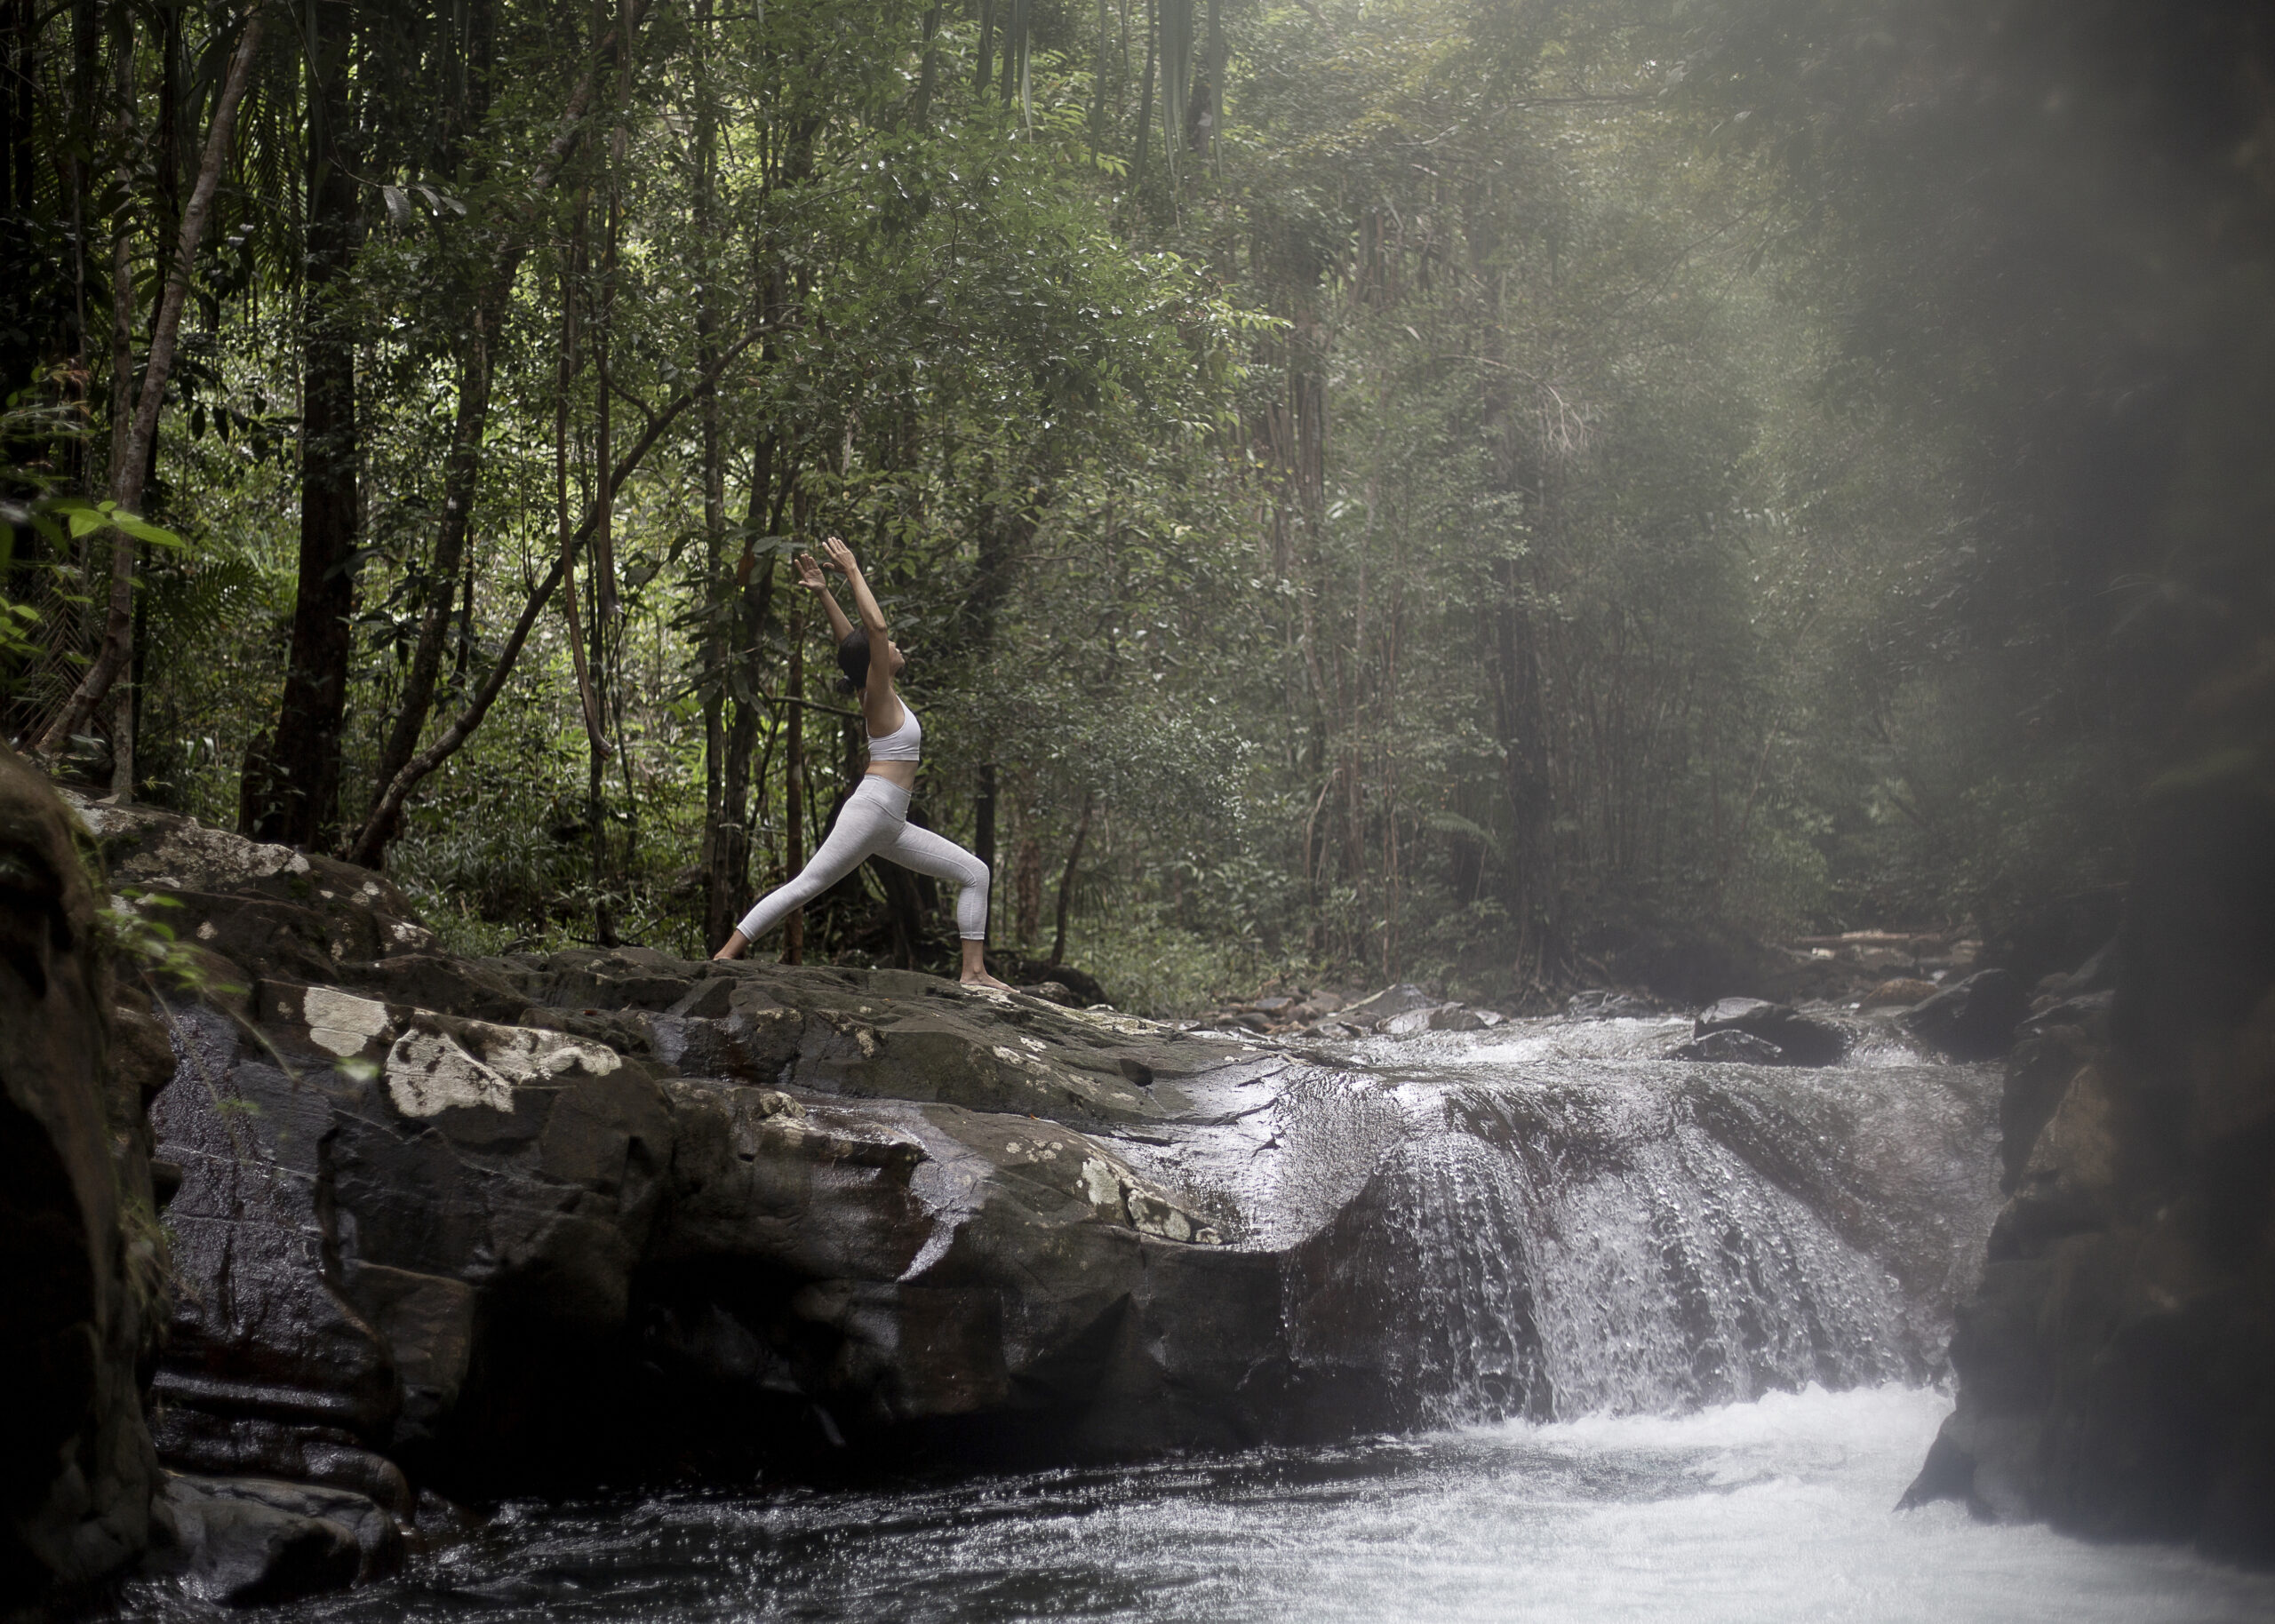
<point>2117,1364</point>
<point>1973,1019</point>
<point>80,1254</point>
<point>1731,1048</point>
<point>250,1541</point>
<point>410,1235</point>
<point>461,1229</point>
<point>1797,1040</point>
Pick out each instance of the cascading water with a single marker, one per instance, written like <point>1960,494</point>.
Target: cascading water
<point>1555,1221</point>
<point>1591,1270</point>
<point>1652,1271</point>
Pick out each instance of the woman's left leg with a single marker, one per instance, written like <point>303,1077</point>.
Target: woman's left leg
<point>942,858</point>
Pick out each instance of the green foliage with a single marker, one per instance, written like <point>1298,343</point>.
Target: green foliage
<point>134,933</point>
<point>1411,488</point>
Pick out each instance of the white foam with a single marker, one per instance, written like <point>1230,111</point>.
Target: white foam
<point>1778,1511</point>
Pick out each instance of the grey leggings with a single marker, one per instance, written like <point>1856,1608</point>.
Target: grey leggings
<point>875,824</point>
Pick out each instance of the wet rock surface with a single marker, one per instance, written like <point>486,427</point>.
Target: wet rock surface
<point>1774,1034</point>
<point>1731,1048</point>
<point>80,1252</point>
<point>251,1541</point>
<point>1401,1011</point>
<point>1605,1003</point>
<point>412,1232</point>
<point>1973,1019</point>
<point>451,1229</point>
<point>2117,1365</point>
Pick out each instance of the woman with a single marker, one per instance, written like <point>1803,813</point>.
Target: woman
<point>874,820</point>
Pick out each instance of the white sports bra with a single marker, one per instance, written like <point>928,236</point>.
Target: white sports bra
<point>905,743</point>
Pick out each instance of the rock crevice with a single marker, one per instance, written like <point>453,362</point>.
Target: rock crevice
<point>2117,1364</point>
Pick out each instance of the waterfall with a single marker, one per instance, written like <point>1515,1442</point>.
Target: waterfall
<point>1557,1221</point>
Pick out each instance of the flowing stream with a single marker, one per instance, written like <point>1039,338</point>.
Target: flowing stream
<point>1666,1335</point>
<point>1769,1510</point>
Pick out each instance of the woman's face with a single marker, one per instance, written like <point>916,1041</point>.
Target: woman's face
<point>899,660</point>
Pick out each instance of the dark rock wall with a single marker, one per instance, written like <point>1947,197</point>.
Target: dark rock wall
<point>446,1230</point>
<point>503,1256</point>
<point>549,1220</point>
<point>80,1251</point>
<point>2117,1365</point>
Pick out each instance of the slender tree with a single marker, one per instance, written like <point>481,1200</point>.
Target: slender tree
<point>131,468</point>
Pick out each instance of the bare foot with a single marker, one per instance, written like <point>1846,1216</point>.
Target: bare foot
<point>985,980</point>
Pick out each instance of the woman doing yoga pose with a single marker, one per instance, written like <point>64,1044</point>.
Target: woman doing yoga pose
<point>874,822</point>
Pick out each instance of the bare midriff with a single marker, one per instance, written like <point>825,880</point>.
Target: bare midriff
<point>901,773</point>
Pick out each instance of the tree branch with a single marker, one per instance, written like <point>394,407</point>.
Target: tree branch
<point>126,478</point>
<point>463,468</point>
<point>372,840</point>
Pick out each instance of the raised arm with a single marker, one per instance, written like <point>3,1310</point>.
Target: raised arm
<point>880,707</point>
<point>810,577</point>
<point>840,559</point>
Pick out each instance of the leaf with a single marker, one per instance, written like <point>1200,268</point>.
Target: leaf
<point>398,205</point>
<point>85,518</point>
<point>142,529</point>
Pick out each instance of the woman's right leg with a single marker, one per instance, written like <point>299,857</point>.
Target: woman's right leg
<point>936,854</point>
<point>866,824</point>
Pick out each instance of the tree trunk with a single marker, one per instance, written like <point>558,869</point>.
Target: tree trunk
<point>380,827</point>
<point>1002,538</point>
<point>745,615</point>
<point>461,471</point>
<point>121,240</point>
<point>298,802</point>
<point>596,761</point>
<point>462,468</point>
<point>730,879</point>
<point>793,788</point>
<point>566,371</point>
<point>606,630</point>
<point>127,475</point>
<point>721,601</point>
<point>983,834</point>
<point>1145,108</point>
<point>1026,890</point>
<point>1519,728</point>
<point>78,180</point>
<point>604,599</point>
<point>727,883</point>
<point>1067,880</point>
<point>121,356</point>
<point>904,912</point>
<point>929,79</point>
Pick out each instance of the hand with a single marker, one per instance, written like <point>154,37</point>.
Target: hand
<point>809,576</point>
<point>841,558</point>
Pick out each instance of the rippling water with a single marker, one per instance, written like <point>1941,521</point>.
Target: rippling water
<point>1773,1510</point>
<point>1614,1268</point>
<point>1553,1219</point>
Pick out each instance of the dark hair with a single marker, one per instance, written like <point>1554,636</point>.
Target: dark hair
<point>853,660</point>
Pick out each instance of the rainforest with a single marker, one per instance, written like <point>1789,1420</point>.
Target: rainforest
<point>1613,662</point>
